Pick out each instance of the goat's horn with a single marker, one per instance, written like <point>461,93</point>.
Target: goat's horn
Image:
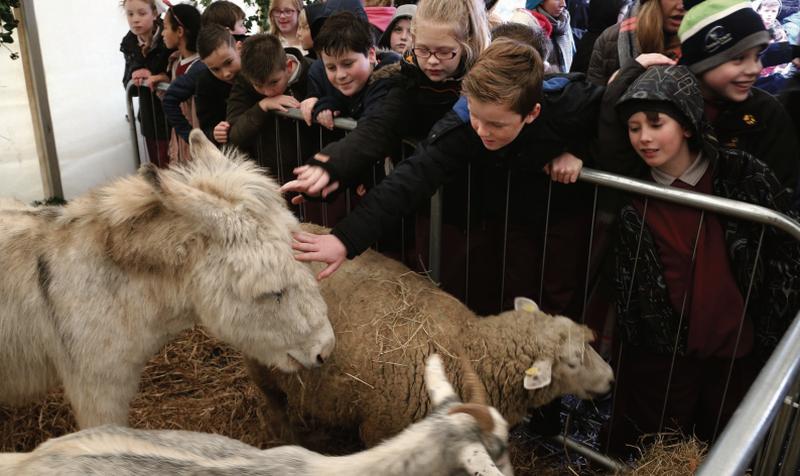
<point>473,387</point>
<point>479,412</point>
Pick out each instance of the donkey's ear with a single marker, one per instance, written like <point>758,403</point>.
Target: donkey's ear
<point>200,148</point>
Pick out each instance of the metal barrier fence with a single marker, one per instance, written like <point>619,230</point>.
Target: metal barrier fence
<point>771,404</point>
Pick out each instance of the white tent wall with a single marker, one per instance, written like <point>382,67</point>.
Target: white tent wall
<point>83,69</point>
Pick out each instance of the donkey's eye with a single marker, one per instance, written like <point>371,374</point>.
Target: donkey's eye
<point>277,296</point>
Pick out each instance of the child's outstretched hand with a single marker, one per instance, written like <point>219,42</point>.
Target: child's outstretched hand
<point>654,59</point>
<point>565,168</point>
<point>325,118</point>
<point>154,79</point>
<point>307,108</point>
<point>278,103</point>
<point>311,180</point>
<point>322,248</point>
<point>140,76</point>
<point>221,132</point>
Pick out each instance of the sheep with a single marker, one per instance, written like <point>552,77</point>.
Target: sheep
<point>90,291</point>
<point>455,438</point>
<point>387,319</point>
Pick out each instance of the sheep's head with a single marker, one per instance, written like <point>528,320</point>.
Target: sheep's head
<point>487,455</point>
<point>572,366</point>
<point>239,271</point>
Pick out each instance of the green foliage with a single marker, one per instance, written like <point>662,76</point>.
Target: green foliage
<point>260,18</point>
<point>9,23</point>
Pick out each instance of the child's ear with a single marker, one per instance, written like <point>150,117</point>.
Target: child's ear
<point>290,65</point>
<point>537,109</point>
<point>371,56</point>
<point>238,47</point>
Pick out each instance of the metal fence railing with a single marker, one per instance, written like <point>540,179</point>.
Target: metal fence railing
<point>764,426</point>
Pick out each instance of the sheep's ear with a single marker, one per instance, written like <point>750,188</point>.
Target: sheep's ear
<point>202,148</point>
<point>538,375</point>
<point>525,304</point>
<point>476,461</point>
<point>439,387</point>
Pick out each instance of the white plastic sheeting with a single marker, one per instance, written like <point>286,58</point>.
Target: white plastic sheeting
<point>83,68</point>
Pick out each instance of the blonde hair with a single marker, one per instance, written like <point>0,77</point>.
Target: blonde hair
<point>650,29</point>
<point>152,4</point>
<point>273,26</point>
<point>507,72</point>
<point>467,18</point>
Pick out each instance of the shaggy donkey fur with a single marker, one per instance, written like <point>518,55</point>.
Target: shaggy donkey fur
<point>456,438</point>
<point>92,290</point>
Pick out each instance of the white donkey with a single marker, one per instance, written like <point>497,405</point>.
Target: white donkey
<point>90,291</point>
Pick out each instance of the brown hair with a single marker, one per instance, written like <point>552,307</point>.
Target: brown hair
<point>152,4</point>
<point>507,72</point>
<point>467,19</point>
<point>222,12</point>
<point>273,27</point>
<point>378,3</point>
<point>343,32</point>
<point>650,29</point>
<point>211,37</point>
<point>535,37</point>
<point>262,56</point>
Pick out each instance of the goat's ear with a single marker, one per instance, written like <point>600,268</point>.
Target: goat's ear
<point>438,386</point>
<point>538,375</point>
<point>525,304</point>
<point>475,460</point>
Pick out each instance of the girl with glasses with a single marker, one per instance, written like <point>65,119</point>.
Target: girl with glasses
<point>283,16</point>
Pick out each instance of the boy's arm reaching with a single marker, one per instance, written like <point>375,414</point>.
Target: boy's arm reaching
<point>180,90</point>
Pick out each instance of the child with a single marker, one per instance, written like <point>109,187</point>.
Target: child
<point>211,107</point>
<point>219,51</point>
<point>225,13</point>
<point>501,118</point>
<point>448,36</point>
<point>271,79</point>
<point>743,117</point>
<point>307,15</point>
<point>146,57</point>
<point>282,17</point>
<point>181,25</point>
<point>347,88</point>
<point>397,35</point>
<point>684,276</point>
<point>524,27</point>
<point>563,43</point>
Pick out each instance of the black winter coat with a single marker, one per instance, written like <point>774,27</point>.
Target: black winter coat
<point>211,101</point>
<point>567,123</point>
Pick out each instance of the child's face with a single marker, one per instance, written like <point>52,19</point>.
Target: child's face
<point>662,143</point>
<point>496,124</point>
<point>277,82</point>
<point>140,16</point>
<point>554,7</point>
<point>304,32</point>
<point>439,38</point>
<point>349,72</point>
<point>400,39</point>
<point>769,12</point>
<point>171,37</point>
<point>732,80</point>
<point>224,63</point>
<point>673,12</point>
<point>239,28</point>
<point>285,15</point>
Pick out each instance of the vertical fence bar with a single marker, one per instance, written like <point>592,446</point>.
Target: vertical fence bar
<point>791,461</point>
<point>544,242</point>
<point>589,257</point>
<point>505,241</point>
<point>435,239</point>
<point>132,121</point>
<point>469,228</point>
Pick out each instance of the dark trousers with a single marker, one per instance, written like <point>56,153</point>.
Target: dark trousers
<point>693,400</point>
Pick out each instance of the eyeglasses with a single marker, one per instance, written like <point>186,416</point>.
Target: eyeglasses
<point>441,55</point>
<point>284,13</point>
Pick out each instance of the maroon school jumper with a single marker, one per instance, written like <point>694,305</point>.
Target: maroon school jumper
<point>714,307</point>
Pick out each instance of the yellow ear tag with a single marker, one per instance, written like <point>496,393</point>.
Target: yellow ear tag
<point>531,372</point>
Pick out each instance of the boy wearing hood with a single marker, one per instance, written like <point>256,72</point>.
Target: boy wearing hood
<point>692,324</point>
